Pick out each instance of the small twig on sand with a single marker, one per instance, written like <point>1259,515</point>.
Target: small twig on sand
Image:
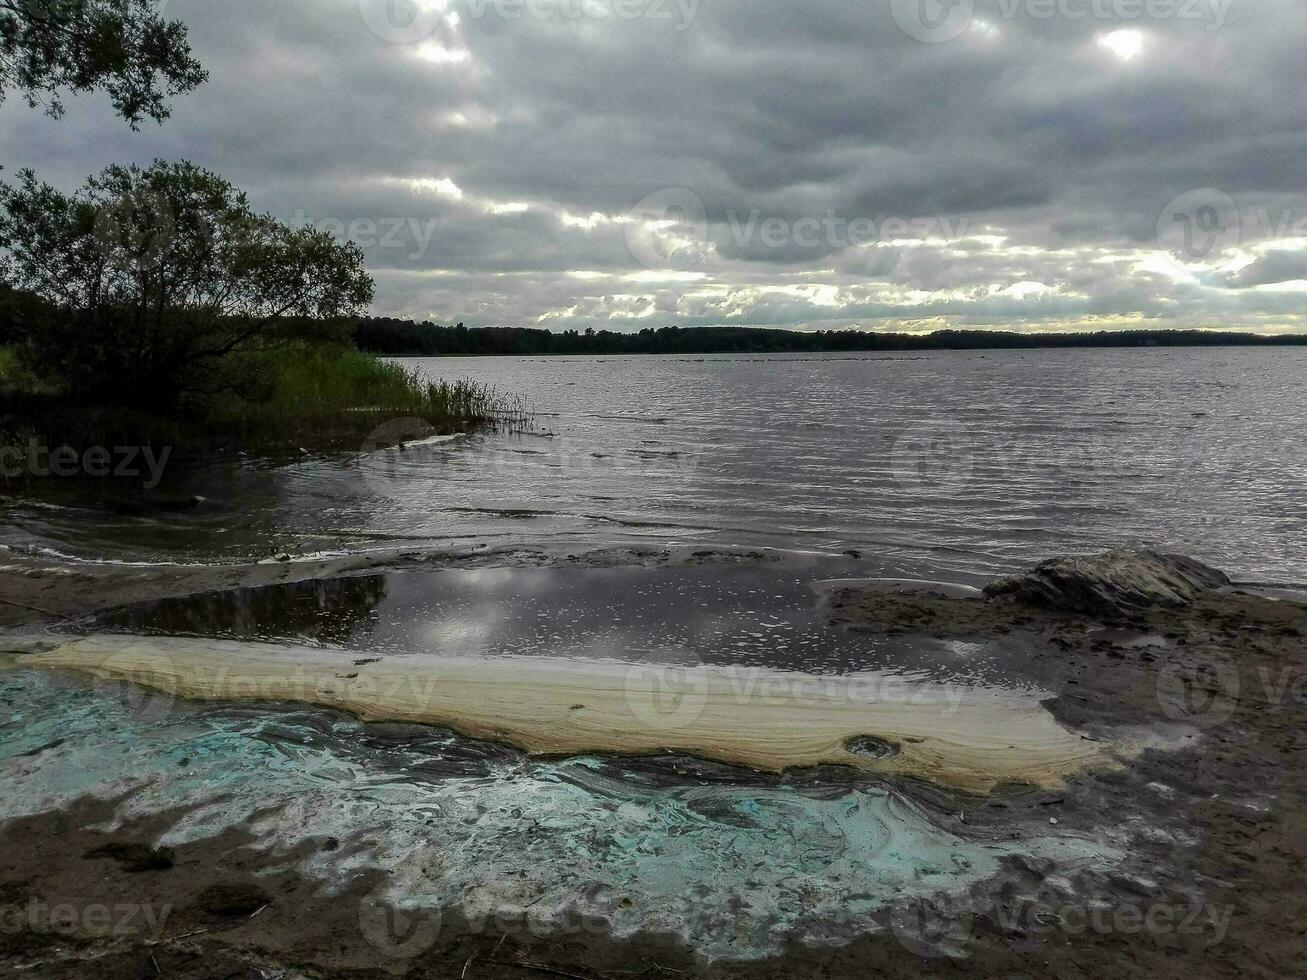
<point>175,939</point>
<point>467,965</point>
<point>155,963</point>
<point>257,911</point>
<point>663,969</point>
<point>28,605</point>
<point>540,968</point>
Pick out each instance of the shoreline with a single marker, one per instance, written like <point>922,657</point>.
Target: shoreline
<point>1207,803</point>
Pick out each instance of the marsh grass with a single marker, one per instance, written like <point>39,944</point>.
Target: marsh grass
<point>305,396</point>
<point>330,394</point>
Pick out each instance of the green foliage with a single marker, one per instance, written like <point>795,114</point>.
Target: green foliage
<point>121,47</point>
<point>161,275</point>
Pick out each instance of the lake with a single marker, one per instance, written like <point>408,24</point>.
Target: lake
<point>940,464</point>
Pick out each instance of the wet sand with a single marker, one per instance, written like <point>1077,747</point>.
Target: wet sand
<point>969,739</point>
<point>1211,806</point>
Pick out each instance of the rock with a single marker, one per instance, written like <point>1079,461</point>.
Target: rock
<point>233,898</point>
<point>133,857</point>
<point>1116,583</point>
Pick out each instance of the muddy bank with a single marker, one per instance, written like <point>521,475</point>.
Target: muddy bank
<point>69,916</point>
<point>1216,685</point>
<point>1209,808</point>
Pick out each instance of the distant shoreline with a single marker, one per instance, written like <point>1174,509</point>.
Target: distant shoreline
<point>405,338</point>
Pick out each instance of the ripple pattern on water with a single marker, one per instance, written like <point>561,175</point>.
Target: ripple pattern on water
<point>972,461</point>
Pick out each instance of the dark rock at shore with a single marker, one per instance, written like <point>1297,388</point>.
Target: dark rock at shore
<point>1115,583</point>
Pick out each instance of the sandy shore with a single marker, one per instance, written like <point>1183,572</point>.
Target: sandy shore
<point>968,738</point>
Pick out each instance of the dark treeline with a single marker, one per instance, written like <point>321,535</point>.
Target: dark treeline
<point>383,335</point>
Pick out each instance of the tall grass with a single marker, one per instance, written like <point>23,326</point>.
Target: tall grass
<point>318,396</point>
<point>317,392</point>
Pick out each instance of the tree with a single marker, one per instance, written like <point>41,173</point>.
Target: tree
<point>162,276</point>
<point>20,313</point>
<point>122,47</point>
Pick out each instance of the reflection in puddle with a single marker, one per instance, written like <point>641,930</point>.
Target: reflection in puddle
<point>763,616</point>
<point>329,611</point>
<point>1127,639</point>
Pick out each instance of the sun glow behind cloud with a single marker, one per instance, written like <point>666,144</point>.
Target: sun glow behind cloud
<point>438,54</point>
<point>1126,44</point>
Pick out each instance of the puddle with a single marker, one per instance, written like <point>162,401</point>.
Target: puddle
<point>759,616</point>
<point>1127,638</point>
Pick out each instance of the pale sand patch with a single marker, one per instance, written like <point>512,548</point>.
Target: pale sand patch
<point>965,737</point>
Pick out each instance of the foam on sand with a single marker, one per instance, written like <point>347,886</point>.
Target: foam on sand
<point>966,737</point>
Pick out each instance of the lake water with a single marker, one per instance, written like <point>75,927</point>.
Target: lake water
<point>955,464</point>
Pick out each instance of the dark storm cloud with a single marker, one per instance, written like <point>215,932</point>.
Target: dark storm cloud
<point>1015,174</point>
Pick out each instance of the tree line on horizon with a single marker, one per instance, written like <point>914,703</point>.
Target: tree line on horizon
<point>398,338</point>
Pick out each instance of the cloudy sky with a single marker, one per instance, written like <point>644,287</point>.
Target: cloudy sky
<point>883,164</point>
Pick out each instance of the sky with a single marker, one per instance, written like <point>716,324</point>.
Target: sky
<point>810,164</point>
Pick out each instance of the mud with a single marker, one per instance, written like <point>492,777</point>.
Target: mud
<point>1211,805</point>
